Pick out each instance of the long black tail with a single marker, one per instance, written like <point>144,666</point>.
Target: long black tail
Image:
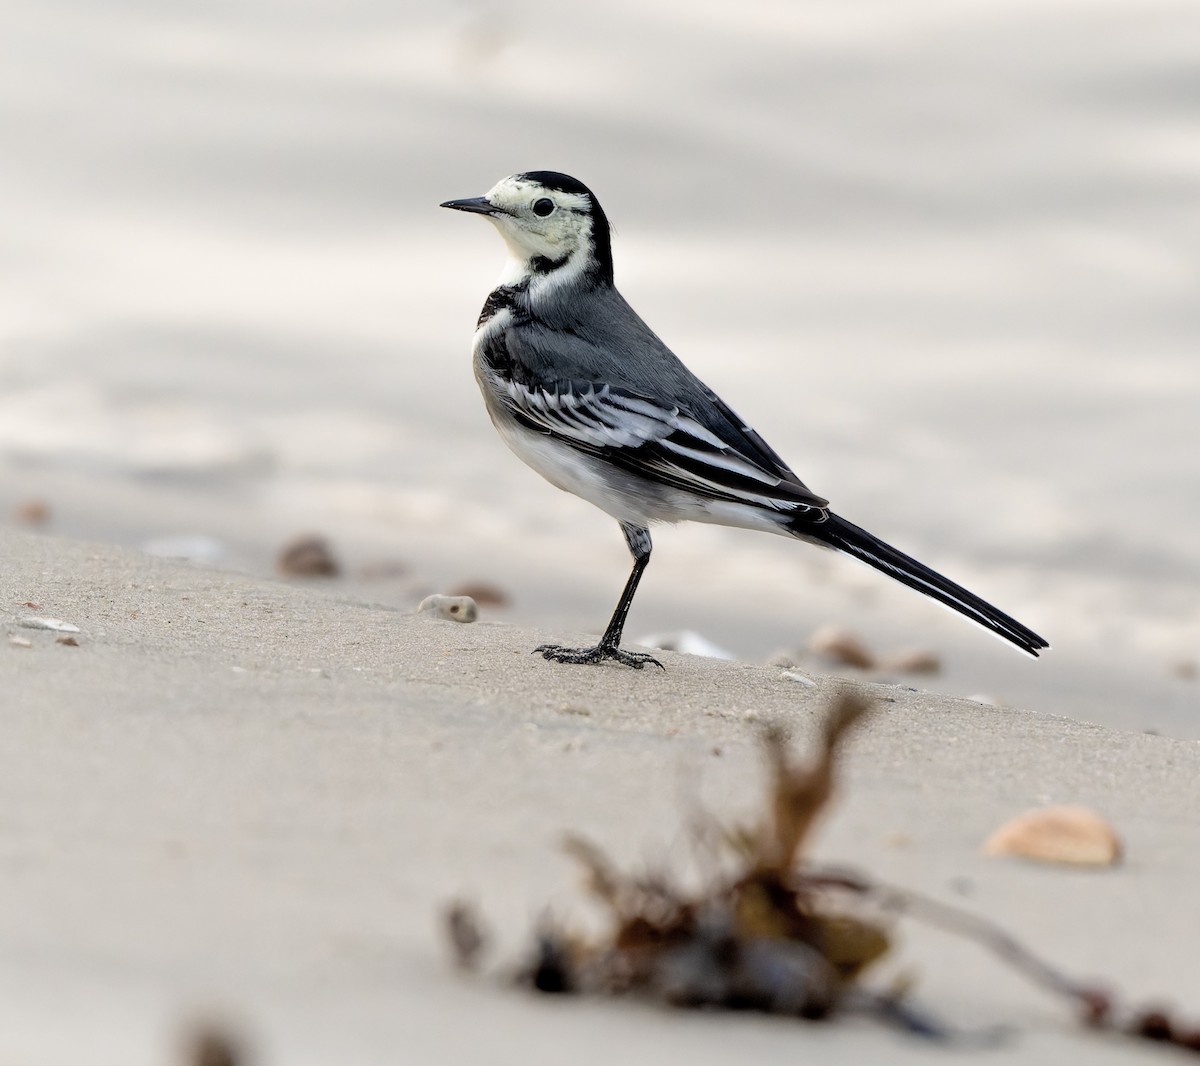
<point>836,532</point>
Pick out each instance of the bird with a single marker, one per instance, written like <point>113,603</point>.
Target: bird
<point>585,393</point>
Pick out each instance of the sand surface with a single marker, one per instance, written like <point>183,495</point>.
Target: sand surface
<point>944,257</point>
<point>249,799</point>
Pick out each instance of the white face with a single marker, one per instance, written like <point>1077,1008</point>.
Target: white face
<point>535,221</point>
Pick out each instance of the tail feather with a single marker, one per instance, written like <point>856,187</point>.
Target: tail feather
<point>837,533</point>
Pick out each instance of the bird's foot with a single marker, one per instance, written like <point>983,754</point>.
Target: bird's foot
<point>559,654</point>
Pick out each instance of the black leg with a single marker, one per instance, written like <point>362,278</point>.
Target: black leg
<point>638,539</point>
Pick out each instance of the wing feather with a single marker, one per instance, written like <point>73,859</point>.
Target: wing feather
<point>660,442</point>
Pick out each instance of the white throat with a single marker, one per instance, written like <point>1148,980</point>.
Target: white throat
<point>518,272</point>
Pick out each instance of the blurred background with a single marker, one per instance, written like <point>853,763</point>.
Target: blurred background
<point>945,257</point>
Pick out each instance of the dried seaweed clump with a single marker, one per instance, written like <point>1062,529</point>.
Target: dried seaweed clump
<point>773,932</point>
<point>761,938</point>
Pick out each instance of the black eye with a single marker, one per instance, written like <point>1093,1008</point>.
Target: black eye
<point>543,207</point>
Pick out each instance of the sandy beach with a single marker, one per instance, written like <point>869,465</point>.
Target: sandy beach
<point>943,257</point>
<point>248,800</point>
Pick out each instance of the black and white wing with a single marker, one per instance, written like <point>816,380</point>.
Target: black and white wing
<point>662,443</point>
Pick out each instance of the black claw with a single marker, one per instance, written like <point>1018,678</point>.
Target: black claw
<point>557,653</point>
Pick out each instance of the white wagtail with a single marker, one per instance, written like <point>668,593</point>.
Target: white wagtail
<point>586,394</point>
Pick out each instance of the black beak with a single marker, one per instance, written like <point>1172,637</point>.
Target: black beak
<point>477,205</point>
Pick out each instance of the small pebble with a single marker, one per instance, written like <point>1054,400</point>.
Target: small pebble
<point>482,593</point>
<point>914,661</point>
<point>32,512</point>
<point>308,556</point>
<point>842,646</point>
<point>55,625</point>
<point>20,642</point>
<point>800,679</point>
<point>70,642</point>
<point>1073,835</point>
<point>452,608</point>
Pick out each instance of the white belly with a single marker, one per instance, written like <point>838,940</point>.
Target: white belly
<point>570,470</point>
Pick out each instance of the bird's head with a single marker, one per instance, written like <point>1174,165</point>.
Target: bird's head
<point>554,227</point>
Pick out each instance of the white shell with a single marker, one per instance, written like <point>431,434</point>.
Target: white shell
<point>687,641</point>
<point>1074,835</point>
<point>55,625</point>
<point>452,608</point>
